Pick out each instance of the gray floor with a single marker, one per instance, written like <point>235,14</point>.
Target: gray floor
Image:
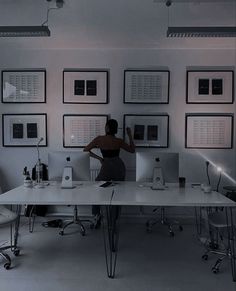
<point>145,262</point>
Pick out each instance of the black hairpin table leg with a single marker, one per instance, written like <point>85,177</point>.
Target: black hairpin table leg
<point>110,222</point>
<point>231,238</point>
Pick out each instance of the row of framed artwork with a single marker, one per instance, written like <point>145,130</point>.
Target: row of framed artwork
<point>140,86</point>
<point>201,130</point>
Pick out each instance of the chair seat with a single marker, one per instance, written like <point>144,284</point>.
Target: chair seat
<point>6,216</point>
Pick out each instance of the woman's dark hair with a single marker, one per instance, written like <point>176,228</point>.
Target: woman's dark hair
<point>112,126</point>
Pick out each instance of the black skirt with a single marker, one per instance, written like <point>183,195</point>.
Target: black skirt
<point>113,169</point>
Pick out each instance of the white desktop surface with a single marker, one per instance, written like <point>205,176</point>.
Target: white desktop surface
<point>86,193</point>
<point>125,193</point>
<point>139,194</point>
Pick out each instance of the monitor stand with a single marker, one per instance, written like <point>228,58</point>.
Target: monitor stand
<point>67,179</point>
<point>157,181</point>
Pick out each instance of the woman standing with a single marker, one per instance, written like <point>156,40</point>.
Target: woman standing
<point>113,168</point>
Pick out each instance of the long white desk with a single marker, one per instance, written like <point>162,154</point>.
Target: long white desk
<point>141,194</point>
<point>85,193</point>
<point>121,193</point>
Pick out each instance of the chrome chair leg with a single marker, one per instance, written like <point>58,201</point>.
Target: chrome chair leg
<point>164,221</point>
<point>78,221</point>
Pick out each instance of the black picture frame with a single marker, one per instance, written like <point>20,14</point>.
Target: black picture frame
<point>146,86</point>
<point>24,129</point>
<point>209,130</point>
<point>23,86</point>
<point>80,129</point>
<point>149,130</point>
<point>85,86</point>
<point>210,87</point>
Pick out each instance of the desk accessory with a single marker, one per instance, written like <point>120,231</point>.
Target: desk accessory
<point>106,184</point>
<point>182,181</point>
<point>206,188</point>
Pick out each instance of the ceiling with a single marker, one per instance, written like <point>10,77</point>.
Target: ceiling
<point>116,24</point>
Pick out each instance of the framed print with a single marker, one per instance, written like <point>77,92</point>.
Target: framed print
<point>81,86</point>
<point>24,130</point>
<point>79,130</point>
<point>24,86</point>
<point>215,87</point>
<point>209,131</point>
<point>148,130</point>
<point>146,86</point>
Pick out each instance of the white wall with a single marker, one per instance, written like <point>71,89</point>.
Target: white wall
<point>13,160</point>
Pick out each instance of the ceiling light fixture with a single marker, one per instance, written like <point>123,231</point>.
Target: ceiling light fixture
<point>30,31</point>
<point>201,31</point>
<point>24,31</point>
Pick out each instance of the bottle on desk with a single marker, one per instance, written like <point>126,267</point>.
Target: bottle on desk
<point>27,180</point>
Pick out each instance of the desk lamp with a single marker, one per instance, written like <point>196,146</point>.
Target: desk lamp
<point>207,172</point>
<point>219,170</point>
<point>39,168</point>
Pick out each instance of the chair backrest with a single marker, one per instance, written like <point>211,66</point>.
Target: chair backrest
<point>6,215</point>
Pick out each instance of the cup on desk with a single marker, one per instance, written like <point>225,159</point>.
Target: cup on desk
<point>182,181</point>
<point>206,188</point>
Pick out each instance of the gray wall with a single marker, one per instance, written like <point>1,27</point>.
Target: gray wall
<point>192,166</point>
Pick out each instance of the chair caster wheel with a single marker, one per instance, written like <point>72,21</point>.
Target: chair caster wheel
<point>205,257</point>
<point>171,233</point>
<point>180,228</point>
<point>7,266</point>
<point>215,270</point>
<point>61,232</point>
<point>16,252</point>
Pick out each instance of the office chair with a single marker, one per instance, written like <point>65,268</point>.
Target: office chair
<point>9,217</point>
<point>78,221</point>
<point>157,167</point>
<point>218,232</point>
<point>162,220</point>
<point>218,235</point>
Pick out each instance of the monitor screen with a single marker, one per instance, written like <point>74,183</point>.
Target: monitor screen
<point>79,161</point>
<point>147,161</point>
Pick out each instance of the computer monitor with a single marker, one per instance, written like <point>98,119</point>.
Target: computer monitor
<point>78,161</point>
<point>146,162</point>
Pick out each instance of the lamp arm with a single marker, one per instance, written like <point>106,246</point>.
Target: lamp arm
<point>37,146</point>
<point>218,184</point>
<point>207,172</point>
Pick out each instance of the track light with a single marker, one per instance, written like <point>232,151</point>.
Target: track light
<point>24,31</point>
<point>30,31</point>
<point>202,31</point>
<point>211,31</point>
